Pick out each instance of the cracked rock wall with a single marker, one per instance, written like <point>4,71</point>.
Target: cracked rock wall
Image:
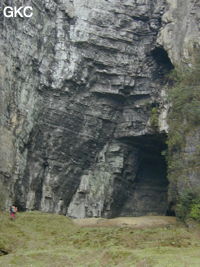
<point>78,84</point>
<point>180,33</point>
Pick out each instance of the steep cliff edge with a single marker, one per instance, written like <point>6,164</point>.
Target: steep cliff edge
<point>180,36</point>
<point>83,104</point>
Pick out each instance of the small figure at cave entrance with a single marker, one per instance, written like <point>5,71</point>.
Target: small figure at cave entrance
<point>13,211</point>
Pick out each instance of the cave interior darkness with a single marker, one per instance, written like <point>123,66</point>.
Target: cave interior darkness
<point>147,195</point>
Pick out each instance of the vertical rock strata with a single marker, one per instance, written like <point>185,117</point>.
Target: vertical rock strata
<point>79,82</point>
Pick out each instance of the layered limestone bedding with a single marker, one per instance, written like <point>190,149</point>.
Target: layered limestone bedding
<point>79,81</point>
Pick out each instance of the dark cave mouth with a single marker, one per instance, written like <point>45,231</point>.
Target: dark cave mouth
<point>149,190</point>
<point>151,185</point>
<point>161,57</point>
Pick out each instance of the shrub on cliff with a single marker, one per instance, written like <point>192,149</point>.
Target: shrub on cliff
<point>154,118</point>
<point>184,121</point>
<point>188,206</point>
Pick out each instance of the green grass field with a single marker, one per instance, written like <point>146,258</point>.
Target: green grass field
<point>39,239</point>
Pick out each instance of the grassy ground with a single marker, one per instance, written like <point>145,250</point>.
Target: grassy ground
<point>36,239</point>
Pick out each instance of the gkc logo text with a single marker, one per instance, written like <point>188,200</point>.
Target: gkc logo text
<point>22,11</point>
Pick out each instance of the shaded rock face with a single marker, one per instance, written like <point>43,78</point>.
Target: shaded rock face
<point>79,81</point>
<point>126,181</point>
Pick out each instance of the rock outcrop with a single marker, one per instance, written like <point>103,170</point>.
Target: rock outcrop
<point>83,104</point>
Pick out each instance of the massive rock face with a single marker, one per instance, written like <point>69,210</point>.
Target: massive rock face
<point>83,112</point>
<point>180,32</point>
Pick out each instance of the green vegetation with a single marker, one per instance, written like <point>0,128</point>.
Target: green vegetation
<point>195,210</point>
<point>188,206</point>
<point>184,126</point>
<point>154,118</point>
<point>36,239</point>
<point>184,114</point>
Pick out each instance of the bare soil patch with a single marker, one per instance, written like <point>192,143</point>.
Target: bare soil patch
<point>134,222</point>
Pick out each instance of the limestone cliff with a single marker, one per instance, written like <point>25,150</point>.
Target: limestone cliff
<point>83,104</point>
<point>180,36</point>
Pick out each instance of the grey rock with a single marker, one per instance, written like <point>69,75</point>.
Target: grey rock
<point>78,82</point>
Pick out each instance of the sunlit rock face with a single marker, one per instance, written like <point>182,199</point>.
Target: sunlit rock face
<point>180,34</point>
<point>79,81</point>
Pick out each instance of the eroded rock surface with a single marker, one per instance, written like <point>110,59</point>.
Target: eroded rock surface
<point>180,34</point>
<point>79,81</point>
